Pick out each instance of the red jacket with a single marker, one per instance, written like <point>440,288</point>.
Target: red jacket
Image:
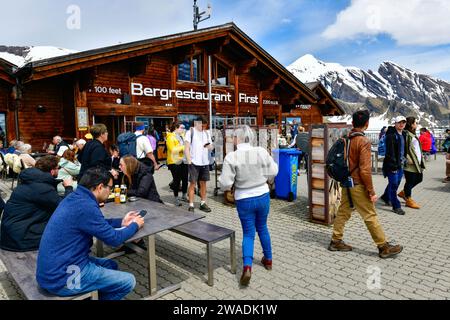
<point>425,140</point>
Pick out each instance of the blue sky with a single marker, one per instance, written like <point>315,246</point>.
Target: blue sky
<point>361,33</point>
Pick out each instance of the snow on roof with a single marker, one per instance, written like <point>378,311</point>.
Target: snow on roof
<point>35,54</point>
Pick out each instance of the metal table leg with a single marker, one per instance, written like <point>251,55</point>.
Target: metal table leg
<point>233,252</point>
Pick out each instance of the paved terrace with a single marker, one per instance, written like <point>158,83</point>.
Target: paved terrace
<point>303,267</point>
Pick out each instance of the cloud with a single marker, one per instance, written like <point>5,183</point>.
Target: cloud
<point>408,22</point>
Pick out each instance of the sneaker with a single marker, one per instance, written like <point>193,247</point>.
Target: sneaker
<point>402,195</point>
<point>246,275</point>
<point>388,250</point>
<point>184,198</point>
<point>386,201</point>
<point>178,202</point>
<point>267,263</point>
<point>204,207</point>
<point>339,246</point>
<point>191,209</point>
<point>399,211</point>
<point>410,203</point>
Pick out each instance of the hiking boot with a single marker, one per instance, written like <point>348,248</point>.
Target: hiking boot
<point>388,250</point>
<point>246,275</point>
<point>402,195</point>
<point>386,201</point>
<point>178,202</point>
<point>339,245</point>
<point>399,211</point>
<point>191,209</point>
<point>267,263</point>
<point>412,204</point>
<point>204,207</point>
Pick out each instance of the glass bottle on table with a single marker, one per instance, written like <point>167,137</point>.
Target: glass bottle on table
<point>123,193</point>
<point>117,193</point>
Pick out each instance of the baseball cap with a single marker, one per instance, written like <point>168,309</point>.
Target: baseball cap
<point>400,119</point>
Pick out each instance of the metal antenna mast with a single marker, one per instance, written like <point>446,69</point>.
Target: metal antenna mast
<point>198,15</point>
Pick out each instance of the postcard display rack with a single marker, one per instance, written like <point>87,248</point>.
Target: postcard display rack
<point>323,137</point>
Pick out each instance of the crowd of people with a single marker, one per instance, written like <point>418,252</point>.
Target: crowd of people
<point>56,207</point>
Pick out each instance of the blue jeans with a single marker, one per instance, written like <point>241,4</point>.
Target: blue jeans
<point>391,190</point>
<point>102,275</point>
<point>253,213</point>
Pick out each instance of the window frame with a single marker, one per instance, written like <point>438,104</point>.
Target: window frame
<point>191,69</point>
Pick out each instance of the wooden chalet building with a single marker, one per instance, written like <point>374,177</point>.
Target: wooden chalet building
<point>156,81</point>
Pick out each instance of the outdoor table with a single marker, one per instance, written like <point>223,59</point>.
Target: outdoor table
<point>38,154</point>
<point>159,218</point>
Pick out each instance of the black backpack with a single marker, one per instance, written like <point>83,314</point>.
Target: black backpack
<point>337,162</point>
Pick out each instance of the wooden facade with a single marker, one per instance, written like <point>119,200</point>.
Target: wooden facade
<point>141,79</point>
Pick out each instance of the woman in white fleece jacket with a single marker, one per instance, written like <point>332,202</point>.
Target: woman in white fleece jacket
<point>248,169</point>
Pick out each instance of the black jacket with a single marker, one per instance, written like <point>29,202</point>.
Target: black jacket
<point>28,210</point>
<point>94,154</point>
<point>143,184</point>
<point>392,161</point>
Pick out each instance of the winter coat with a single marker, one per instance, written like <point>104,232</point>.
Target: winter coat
<point>94,154</point>
<point>412,164</point>
<point>28,210</point>
<point>143,185</point>
<point>392,161</point>
<point>425,140</point>
<point>68,169</point>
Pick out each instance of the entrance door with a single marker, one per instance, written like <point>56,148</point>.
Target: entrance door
<point>115,125</point>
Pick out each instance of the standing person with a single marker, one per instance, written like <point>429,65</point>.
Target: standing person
<point>94,153</point>
<point>393,163</point>
<point>115,157</point>
<point>198,145</point>
<point>382,142</point>
<point>249,169</point>
<point>67,242</point>
<point>176,162</point>
<point>415,164</point>
<point>426,142</point>
<point>446,146</point>
<point>362,194</point>
<point>31,205</point>
<point>144,150</point>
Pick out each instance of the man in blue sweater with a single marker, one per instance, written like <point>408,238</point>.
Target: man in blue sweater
<point>64,267</point>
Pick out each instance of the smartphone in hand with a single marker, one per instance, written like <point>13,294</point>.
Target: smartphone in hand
<point>142,213</point>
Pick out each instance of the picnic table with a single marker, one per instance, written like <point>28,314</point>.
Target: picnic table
<point>159,218</point>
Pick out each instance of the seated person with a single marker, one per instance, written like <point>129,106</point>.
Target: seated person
<point>58,142</point>
<point>69,168</point>
<point>139,179</point>
<point>27,160</point>
<point>67,242</point>
<point>31,205</point>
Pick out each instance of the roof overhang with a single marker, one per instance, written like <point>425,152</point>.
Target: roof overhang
<point>6,71</point>
<point>325,99</point>
<point>87,59</point>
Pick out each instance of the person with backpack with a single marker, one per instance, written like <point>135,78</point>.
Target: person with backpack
<point>382,142</point>
<point>415,164</point>
<point>360,191</point>
<point>393,163</point>
<point>94,153</point>
<point>198,145</point>
<point>144,150</point>
<point>153,137</point>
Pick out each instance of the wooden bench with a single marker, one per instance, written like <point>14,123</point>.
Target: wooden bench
<point>22,267</point>
<point>209,234</point>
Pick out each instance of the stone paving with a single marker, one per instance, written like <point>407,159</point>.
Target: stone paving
<point>303,267</point>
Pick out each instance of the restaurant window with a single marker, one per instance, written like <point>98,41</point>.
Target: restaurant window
<point>220,74</point>
<point>189,70</point>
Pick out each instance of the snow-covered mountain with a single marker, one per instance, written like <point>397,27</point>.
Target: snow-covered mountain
<point>20,56</point>
<point>391,90</point>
